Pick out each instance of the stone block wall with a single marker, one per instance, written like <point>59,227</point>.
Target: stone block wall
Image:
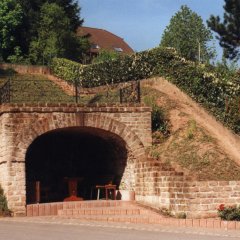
<point>161,187</point>
<point>204,197</point>
<point>154,180</point>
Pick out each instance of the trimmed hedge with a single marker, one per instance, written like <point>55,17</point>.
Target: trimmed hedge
<point>127,68</point>
<point>219,93</point>
<point>66,69</point>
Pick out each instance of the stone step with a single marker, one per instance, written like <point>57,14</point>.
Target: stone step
<point>51,209</point>
<point>107,211</point>
<point>118,218</point>
<point>96,204</point>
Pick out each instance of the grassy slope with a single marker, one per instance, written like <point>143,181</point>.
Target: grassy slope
<point>33,88</point>
<point>189,147</point>
<point>37,88</point>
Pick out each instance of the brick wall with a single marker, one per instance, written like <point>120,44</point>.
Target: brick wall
<point>23,69</point>
<point>163,187</point>
<point>203,198</point>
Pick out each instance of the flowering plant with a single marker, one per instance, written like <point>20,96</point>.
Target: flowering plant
<point>229,213</point>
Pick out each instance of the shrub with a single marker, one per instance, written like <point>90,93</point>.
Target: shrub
<point>4,210</point>
<point>17,57</point>
<point>126,68</point>
<point>229,213</point>
<point>181,215</point>
<point>159,121</point>
<point>66,69</point>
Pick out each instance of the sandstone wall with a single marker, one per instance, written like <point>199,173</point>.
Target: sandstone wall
<point>163,187</point>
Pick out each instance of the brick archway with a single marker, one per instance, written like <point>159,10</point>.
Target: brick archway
<point>45,124</point>
<point>21,124</point>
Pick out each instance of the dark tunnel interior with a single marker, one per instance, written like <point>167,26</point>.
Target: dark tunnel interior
<point>90,156</point>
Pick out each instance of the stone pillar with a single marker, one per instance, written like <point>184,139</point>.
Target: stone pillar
<point>12,166</point>
<point>16,194</point>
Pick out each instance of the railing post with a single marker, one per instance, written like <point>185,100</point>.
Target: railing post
<point>139,91</point>
<point>76,90</point>
<point>0,96</point>
<point>9,89</point>
<point>121,95</point>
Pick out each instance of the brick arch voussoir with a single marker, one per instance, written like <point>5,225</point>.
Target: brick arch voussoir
<point>62,121</point>
<point>29,134</point>
<point>106,123</point>
<point>111,125</point>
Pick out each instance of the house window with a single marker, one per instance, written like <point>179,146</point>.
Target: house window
<point>95,46</point>
<point>118,49</point>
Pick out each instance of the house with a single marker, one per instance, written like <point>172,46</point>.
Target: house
<point>101,39</point>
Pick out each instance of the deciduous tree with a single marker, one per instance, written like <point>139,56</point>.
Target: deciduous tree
<point>31,9</point>
<point>54,36</point>
<point>10,20</point>
<point>187,33</point>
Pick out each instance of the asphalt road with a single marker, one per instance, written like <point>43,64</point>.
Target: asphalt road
<point>20,230</point>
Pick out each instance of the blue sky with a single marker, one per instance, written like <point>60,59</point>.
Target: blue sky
<point>142,22</point>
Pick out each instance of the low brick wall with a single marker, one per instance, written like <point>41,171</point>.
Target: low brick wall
<point>198,199</point>
<point>23,69</point>
<point>162,187</point>
<point>204,197</point>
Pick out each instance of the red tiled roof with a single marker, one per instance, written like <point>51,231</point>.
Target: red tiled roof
<point>104,40</point>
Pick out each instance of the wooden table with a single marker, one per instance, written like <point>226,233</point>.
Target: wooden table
<point>108,188</point>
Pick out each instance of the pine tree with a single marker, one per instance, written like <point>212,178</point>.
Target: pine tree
<point>229,30</point>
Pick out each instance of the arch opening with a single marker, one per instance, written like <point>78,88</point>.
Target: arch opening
<point>88,155</point>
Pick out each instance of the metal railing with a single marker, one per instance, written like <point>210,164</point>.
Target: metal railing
<point>131,93</point>
<point>34,91</point>
<point>5,93</point>
<point>42,91</point>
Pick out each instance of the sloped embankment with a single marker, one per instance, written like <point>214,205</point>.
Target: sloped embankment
<point>198,144</point>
